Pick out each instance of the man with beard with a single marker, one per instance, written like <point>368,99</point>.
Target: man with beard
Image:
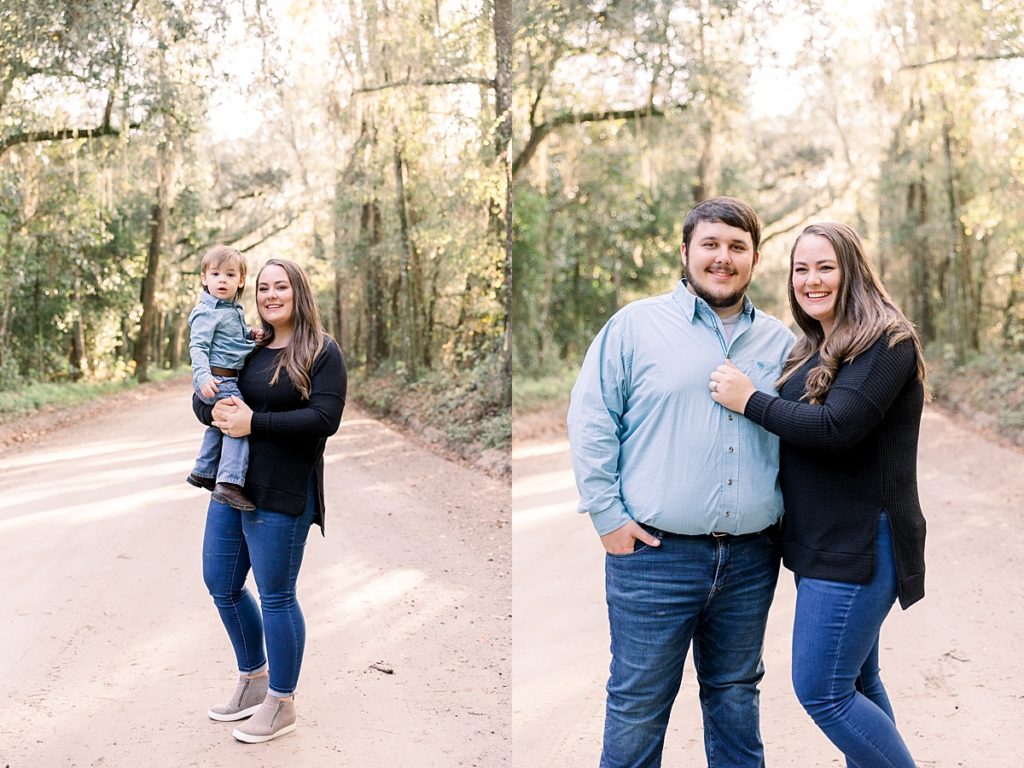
<point>683,494</point>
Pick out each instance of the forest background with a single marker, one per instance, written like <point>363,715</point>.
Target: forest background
<point>903,119</point>
<point>374,143</point>
<point>367,140</point>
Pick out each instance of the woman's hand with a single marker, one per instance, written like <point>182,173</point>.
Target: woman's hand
<point>731,387</point>
<point>232,417</point>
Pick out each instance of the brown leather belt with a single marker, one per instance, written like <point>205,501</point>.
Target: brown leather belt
<point>730,537</point>
<point>229,372</point>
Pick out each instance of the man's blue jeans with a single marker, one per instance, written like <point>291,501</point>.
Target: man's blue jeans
<point>714,592</point>
<point>272,544</point>
<point>222,457</point>
<point>835,662</point>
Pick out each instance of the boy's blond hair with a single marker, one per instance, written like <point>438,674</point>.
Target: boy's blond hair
<point>220,254</point>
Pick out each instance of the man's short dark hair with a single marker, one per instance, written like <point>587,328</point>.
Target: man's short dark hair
<point>727,210</point>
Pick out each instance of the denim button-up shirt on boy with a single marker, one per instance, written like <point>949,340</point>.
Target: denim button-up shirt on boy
<point>648,442</point>
<point>218,336</point>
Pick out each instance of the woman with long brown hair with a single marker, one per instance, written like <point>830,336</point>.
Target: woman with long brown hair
<point>294,388</point>
<point>848,415</point>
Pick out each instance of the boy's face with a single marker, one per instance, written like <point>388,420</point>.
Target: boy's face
<point>223,281</point>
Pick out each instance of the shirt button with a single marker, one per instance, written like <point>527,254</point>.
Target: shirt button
<point>731,450</point>
<point>728,514</point>
<point>729,481</point>
<point>730,417</point>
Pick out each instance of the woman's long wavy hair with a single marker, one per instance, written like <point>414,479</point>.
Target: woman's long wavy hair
<point>864,312</point>
<point>307,330</point>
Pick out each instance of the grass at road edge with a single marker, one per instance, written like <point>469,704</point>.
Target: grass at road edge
<point>33,397</point>
<point>460,413</point>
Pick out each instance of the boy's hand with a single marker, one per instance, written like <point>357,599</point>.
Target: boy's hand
<point>209,389</point>
<point>257,334</point>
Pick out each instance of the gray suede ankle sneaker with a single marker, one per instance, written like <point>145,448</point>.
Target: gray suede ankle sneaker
<point>244,701</point>
<point>275,717</point>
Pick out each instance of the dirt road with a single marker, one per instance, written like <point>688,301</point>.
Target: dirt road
<point>952,663</point>
<point>111,650</point>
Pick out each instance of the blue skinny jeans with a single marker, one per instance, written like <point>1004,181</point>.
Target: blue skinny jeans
<point>835,662</point>
<point>272,545</point>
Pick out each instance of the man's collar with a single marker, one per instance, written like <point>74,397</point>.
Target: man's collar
<point>689,302</point>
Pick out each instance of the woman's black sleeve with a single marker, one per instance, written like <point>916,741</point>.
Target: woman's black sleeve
<point>202,411</point>
<point>856,402</point>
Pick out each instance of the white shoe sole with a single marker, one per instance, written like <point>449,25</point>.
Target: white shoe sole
<point>251,738</point>
<point>231,716</point>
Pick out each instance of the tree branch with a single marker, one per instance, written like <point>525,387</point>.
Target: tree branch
<point>238,198</point>
<point>540,131</point>
<point>270,234</point>
<point>802,217</point>
<point>29,137</point>
<point>959,57</point>
<point>429,81</point>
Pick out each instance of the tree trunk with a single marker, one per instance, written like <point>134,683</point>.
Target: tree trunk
<point>504,36</point>
<point>545,331</point>
<point>920,269</point>
<point>177,332</point>
<point>157,232</point>
<point>340,265</point>
<point>77,356</point>
<point>5,290</point>
<point>1013,329</point>
<point>408,332</point>
<point>954,290</point>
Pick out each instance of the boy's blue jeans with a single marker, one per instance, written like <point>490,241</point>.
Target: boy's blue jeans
<point>222,457</point>
<point>714,592</point>
<point>835,661</point>
<point>271,544</point>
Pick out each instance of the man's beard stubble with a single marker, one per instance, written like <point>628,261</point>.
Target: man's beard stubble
<point>715,301</point>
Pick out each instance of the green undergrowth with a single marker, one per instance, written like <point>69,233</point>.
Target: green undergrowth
<point>461,410</point>
<point>541,392</point>
<point>988,389</point>
<point>20,399</point>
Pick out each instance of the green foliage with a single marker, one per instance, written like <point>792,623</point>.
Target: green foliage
<point>20,398</point>
<point>538,393</point>
<point>989,388</point>
<point>905,126</point>
<point>464,408</point>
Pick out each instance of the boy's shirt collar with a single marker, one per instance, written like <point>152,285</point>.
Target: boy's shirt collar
<point>209,300</point>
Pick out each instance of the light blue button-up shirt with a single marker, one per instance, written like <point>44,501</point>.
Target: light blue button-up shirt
<point>648,443</point>
<point>218,336</point>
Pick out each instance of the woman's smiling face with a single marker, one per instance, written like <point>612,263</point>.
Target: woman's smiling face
<point>816,279</point>
<point>274,298</point>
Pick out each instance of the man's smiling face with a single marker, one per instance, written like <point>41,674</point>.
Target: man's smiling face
<point>719,264</point>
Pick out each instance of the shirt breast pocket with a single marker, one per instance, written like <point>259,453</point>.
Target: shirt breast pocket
<point>763,373</point>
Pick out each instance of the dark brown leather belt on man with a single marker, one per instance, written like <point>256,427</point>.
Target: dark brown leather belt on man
<point>229,372</point>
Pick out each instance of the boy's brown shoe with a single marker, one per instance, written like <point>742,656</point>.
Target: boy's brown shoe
<point>200,482</point>
<point>232,495</point>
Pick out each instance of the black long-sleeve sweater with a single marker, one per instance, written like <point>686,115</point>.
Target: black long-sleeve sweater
<point>845,461</point>
<point>288,433</point>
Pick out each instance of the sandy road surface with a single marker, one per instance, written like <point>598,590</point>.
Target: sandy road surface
<point>111,650</point>
<point>953,663</point>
